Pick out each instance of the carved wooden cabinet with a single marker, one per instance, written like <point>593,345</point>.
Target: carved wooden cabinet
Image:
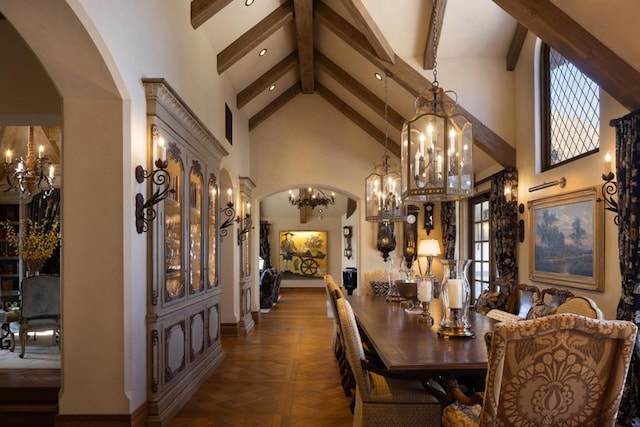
<point>183,310</point>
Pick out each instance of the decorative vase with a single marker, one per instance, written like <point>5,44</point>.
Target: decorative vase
<point>455,297</point>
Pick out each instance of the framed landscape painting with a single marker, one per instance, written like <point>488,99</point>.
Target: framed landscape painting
<point>303,254</point>
<point>566,234</point>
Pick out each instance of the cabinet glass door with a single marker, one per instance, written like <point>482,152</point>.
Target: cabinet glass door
<point>173,283</point>
<point>195,231</point>
<point>212,227</point>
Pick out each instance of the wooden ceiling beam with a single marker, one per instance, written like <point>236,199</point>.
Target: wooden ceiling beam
<point>254,36</point>
<point>304,32</point>
<point>277,103</point>
<point>519,36</point>
<point>202,10</point>
<point>355,117</point>
<point>586,52</point>
<point>359,90</point>
<point>429,51</point>
<point>414,82</point>
<point>367,26</point>
<point>264,81</point>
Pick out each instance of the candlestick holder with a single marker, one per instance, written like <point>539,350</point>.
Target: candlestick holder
<point>425,316</point>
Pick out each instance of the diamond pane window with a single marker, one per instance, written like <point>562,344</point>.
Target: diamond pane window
<point>571,111</point>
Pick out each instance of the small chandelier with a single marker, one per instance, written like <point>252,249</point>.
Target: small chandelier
<point>29,174</point>
<point>382,187</point>
<point>436,145</point>
<point>311,197</point>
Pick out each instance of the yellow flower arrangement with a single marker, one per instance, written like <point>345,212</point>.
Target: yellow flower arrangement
<point>35,241</point>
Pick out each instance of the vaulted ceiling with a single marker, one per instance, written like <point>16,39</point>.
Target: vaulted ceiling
<point>333,48</point>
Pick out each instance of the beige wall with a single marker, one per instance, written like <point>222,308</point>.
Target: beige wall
<point>580,174</point>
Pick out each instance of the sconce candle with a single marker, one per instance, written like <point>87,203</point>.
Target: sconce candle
<point>162,149</point>
<point>607,164</point>
<point>229,195</point>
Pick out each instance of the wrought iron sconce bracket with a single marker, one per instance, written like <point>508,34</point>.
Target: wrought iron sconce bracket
<point>245,226</point>
<point>145,213</point>
<point>230,213</point>
<point>610,189</point>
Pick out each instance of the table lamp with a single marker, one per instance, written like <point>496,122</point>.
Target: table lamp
<point>429,248</point>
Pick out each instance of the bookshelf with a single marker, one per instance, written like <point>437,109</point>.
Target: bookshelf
<point>9,259</point>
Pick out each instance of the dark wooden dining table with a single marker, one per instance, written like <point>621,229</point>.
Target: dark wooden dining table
<point>405,344</point>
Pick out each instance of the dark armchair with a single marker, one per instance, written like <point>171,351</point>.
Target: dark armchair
<point>39,306</point>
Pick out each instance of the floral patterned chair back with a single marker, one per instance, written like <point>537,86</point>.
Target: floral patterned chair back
<point>562,369</point>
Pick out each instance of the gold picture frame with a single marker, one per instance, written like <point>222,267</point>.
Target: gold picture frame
<point>566,234</point>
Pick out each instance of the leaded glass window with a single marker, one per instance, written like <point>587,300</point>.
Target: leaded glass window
<point>570,110</point>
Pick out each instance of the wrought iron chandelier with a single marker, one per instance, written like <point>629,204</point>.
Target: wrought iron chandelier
<point>382,187</point>
<point>311,197</point>
<point>436,144</point>
<point>29,174</point>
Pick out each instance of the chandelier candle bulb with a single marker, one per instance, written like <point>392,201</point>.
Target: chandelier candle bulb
<point>455,293</point>
<point>7,157</point>
<point>40,151</point>
<point>52,171</point>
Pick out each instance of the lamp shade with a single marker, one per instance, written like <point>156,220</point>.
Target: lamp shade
<point>428,247</point>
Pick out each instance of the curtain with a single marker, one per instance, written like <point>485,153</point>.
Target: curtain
<point>448,221</point>
<point>503,217</point>
<point>627,172</point>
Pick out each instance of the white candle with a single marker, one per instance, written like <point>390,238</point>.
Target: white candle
<point>229,194</point>
<point>7,156</point>
<point>454,287</point>
<point>422,143</point>
<point>425,291</point>
<point>162,149</point>
<point>52,171</point>
<point>607,164</point>
<point>40,151</point>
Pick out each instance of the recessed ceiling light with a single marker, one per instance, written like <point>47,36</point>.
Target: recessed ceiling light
<point>262,52</point>
<point>248,2</point>
<point>272,87</point>
<point>378,76</point>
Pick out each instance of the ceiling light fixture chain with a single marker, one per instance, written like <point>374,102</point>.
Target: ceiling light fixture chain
<point>434,27</point>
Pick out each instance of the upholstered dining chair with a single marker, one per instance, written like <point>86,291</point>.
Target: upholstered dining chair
<point>527,297</point>
<point>562,369</point>
<point>39,306</point>
<point>346,376</point>
<point>380,400</point>
<point>376,282</point>
<point>583,306</point>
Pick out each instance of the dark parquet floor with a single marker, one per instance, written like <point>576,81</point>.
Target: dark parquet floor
<point>283,373</point>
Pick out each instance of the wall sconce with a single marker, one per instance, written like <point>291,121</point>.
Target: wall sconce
<point>609,188</point>
<point>428,217</point>
<point>229,213</point>
<point>145,213</point>
<point>347,231</point>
